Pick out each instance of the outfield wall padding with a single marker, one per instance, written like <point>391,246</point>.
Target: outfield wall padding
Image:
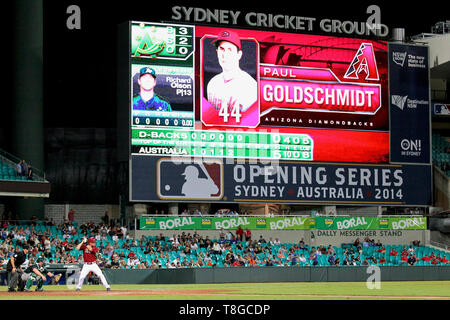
<point>275,274</point>
<point>268,274</point>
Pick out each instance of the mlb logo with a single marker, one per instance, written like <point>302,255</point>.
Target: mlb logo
<point>192,180</point>
<point>442,109</point>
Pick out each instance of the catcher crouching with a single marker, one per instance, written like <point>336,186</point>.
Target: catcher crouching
<point>38,272</point>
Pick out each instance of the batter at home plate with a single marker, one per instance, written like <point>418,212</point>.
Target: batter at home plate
<point>90,262</point>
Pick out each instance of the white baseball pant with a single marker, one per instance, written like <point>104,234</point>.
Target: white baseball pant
<point>91,267</point>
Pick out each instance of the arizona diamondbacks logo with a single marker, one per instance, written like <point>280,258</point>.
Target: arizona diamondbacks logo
<point>147,47</point>
<point>399,101</point>
<point>363,63</point>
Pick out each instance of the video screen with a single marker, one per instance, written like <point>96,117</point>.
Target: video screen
<point>237,93</point>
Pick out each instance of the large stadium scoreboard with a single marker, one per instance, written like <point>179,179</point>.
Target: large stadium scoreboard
<point>168,49</point>
<point>259,115</point>
<point>249,145</point>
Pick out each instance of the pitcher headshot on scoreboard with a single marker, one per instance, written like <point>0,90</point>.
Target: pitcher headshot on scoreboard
<point>147,98</point>
<point>230,87</point>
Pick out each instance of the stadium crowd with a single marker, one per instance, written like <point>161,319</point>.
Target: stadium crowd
<point>119,250</point>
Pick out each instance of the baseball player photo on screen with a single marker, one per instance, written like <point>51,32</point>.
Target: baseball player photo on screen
<point>147,98</point>
<point>229,71</point>
<point>162,95</point>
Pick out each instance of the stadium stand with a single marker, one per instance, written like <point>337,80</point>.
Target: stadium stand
<point>8,169</point>
<point>441,152</point>
<point>56,243</point>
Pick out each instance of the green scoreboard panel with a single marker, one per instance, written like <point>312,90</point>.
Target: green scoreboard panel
<point>161,41</point>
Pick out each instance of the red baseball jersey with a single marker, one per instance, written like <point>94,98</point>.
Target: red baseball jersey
<point>89,256</point>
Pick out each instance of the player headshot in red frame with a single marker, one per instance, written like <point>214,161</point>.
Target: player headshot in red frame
<point>232,90</point>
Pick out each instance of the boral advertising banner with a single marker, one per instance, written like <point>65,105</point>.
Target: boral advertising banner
<point>410,107</point>
<point>226,180</point>
<point>226,223</point>
<point>282,223</point>
<point>371,223</point>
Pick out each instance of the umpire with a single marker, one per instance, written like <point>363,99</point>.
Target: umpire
<point>14,270</point>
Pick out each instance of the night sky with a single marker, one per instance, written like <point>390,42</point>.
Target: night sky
<point>89,54</point>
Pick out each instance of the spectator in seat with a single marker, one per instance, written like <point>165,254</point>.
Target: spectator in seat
<point>280,254</point>
<point>382,249</point>
<point>346,261</point>
<point>332,259</point>
<point>71,215</point>
<point>247,234</point>
<point>412,259</point>
<point>268,263</point>
<point>294,259</point>
<point>261,239</point>
<point>115,263</point>
<point>239,233</point>
<point>393,253</point>
<point>216,248</point>
<point>24,167</point>
<point>29,172</point>
<point>314,257</point>
<point>302,258</point>
<point>404,251</point>
<point>330,250</point>
<point>302,246</point>
<point>403,260</point>
<point>19,169</point>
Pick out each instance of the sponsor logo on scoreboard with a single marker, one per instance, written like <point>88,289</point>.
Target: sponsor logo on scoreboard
<point>403,101</point>
<point>399,58</point>
<point>412,60</point>
<point>411,147</point>
<point>399,101</point>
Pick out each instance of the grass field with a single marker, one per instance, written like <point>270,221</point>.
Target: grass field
<point>402,290</point>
